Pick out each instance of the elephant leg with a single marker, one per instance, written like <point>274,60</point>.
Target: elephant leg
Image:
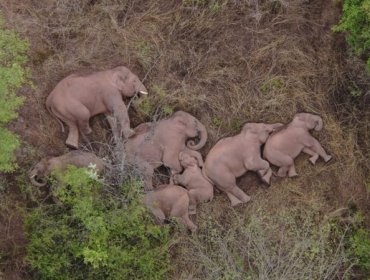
<point>84,126</point>
<point>190,225</point>
<point>171,160</point>
<point>316,147</point>
<point>193,202</point>
<point>314,156</point>
<point>292,172</point>
<point>233,199</point>
<point>286,162</point>
<point>239,194</point>
<point>148,173</point>
<point>159,214</point>
<point>262,167</point>
<point>123,121</point>
<point>283,171</point>
<point>73,135</point>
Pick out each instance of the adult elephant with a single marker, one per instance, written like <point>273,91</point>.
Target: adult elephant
<point>77,98</point>
<point>159,143</point>
<point>286,144</point>
<point>231,157</point>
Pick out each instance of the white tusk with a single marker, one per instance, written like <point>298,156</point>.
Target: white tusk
<point>33,176</point>
<point>143,92</point>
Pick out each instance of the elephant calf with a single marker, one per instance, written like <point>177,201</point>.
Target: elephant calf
<point>76,158</point>
<point>200,189</point>
<point>168,201</point>
<point>285,145</point>
<point>231,157</point>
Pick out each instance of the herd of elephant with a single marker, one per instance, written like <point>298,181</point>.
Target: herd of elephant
<point>174,142</point>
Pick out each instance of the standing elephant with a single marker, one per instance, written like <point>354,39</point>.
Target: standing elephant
<point>168,201</point>
<point>156,144</point>
<point>286,144</point>
<point>231,157</point>
<point>77,158</point>
<point>77,98</point>
<point>200,188</point>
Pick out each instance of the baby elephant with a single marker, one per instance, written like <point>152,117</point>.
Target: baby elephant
<point>200,189</point>
<point>168,201</point>
<point>285,145</point>
<point>76,158</point>
<point>231,157</point>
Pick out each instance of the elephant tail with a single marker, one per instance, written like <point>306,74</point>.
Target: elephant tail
<point>50,109</point>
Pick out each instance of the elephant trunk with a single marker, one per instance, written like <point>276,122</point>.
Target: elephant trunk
<point>202,135</point>
<point>319,124</point>
<point>34,181</point>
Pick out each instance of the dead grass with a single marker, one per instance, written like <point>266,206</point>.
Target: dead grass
<point>227,62</point>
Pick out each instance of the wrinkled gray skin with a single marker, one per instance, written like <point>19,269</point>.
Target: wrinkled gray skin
<point>286,144</point>
<point>170,201</point>
<point>76,99</point>
<point>231,157</point>
<point>200,188</point>
<point>77,158</point>
<point>156,144</point>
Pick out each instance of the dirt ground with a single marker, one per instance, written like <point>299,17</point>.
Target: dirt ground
<point>226,62</point>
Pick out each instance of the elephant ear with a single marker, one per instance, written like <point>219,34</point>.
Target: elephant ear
<point>119,80</point>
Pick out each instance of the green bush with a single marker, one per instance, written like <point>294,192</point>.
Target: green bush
<point>356,22</point>
<point>95,232</point>
<point>12,76</point>
<point>360,243</point>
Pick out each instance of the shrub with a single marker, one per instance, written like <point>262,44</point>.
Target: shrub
<point>12,76</point>
<point>95,232</point>
<point>356,22</point>
<point>360,243</point>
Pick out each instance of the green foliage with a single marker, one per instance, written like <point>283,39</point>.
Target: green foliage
<point>356,22</point>
<point>95,232</point>
<point>12,75</point>
<point>360,243</point>
<point>156,103</point>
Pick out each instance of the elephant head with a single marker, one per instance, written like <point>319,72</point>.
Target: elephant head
<point>193,159</point>
<point>38,173</point>
<point>308,121</point>
<point>192,128</point>
<point>260,130</point>
<point>127,82</point>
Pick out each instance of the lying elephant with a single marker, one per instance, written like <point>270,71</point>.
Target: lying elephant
<point>286,144</point>
<point>156,144</point>
<point>77,98</point>
<point>231,157</point>
<point>168,201</point>
<point>200,188</point>
<point>77,158</point>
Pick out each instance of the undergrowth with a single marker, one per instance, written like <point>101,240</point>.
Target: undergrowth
<point>13,75</point>
<point>355,22</point>
<point>95,232</point>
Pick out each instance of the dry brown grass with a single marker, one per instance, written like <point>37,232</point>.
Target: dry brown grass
<point>227,62</point>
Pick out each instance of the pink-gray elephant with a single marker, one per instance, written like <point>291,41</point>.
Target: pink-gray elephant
<point>285,145</point>
<point>231,157</point>
<point>77,98</point>
<point>77,158</point>
<point>170,201</point>
<point>200,188</point>
<point>159,143</point>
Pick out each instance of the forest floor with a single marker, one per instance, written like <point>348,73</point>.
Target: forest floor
<point>227,63</point>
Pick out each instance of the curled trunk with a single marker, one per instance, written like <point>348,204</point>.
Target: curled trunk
<point>37,183</point>
<point>202,135</point>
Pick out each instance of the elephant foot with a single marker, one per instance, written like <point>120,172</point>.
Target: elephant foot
<point>292,174</point>
<point>72,144</point>
<point>313,159</point>
<point>328,158</point>
<point>192,211</point>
